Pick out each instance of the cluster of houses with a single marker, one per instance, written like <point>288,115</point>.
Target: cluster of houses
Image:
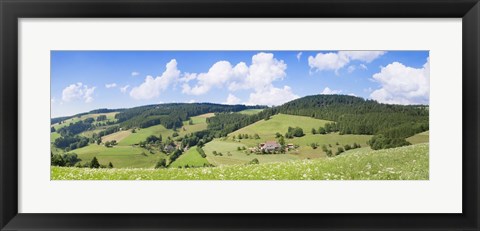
<point>170,148</point>
<point>271,146</point>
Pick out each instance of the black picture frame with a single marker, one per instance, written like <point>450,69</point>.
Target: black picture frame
<point>12,10</point>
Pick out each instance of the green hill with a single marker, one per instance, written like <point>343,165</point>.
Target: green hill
<point>266,130</point>
<point>232,134</point>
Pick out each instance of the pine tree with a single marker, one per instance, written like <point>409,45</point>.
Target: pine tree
<point>94,163</point>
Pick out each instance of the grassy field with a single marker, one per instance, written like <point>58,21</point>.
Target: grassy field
<point>142,133</point>
<point>266,129</point>
<point>199,123</point>
<point>191,158</point>
<point>404,163</point>
<point>54,136</point>
<point>120,156</point>
<point>250,111</point>
<point>117,136</point>
<point>419,138</point>
<point>110,117</point>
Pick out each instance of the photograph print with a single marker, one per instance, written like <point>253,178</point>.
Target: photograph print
<point>240,115</point>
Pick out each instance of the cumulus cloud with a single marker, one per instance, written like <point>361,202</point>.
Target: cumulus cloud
<point>217,76</point>
<point>333,61</point>
<point>363,66</point>
<point>272,96</point>
<point>401,84</point>
<point>110,85</point>
<point>299,55</point>
<point>124,88</point>
<point>328,91</point>
<point>259,77</point>
<point>152,87</point>
<point>78,91</point>
<point>232,99</point>
<point>135,73</point>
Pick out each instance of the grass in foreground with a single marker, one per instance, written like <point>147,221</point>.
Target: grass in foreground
<point>404,163</point>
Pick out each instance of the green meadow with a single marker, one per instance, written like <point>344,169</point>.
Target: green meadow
<point>119,156</point>
<point>280,123</point>
<point>110,117</point>
<point>142,133</point>
<point>199,123</point>
<point>403,163</point>
<point>419,138</point>
<point>250,111</point>
<point>191,158</point>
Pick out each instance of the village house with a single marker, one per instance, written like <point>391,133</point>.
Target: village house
<point>169,148</point>
<point>270,146</point>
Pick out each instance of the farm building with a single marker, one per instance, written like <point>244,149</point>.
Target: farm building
<point>270,146</point>
<point>169,148</point>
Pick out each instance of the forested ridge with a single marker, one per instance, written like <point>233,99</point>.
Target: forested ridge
<point>390,124</point>
<point>355,115</point>
<point>171,115</point>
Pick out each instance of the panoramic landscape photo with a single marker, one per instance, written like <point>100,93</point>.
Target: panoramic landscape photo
<point>240,115</point>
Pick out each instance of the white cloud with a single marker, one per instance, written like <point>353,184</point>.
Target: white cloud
<point>192,101</point>
<point>232,99</point>
<point>328,91</point>
<point>187,77</point>
<point>363,66</point>
<point>52,100</point>
<point>134,73</point>
<point>152,87</point>
<point>328,61</point>
<point>364,56</point>
<point>78,91</point>
<point>89,95</point>
<point>264,70</point>
<point>335,61</point>
<point>272,96</point>
<point>351,68</point>
<point>401,84</point>
<point>299,55</point>
<point>258,77</point>
<point>124,88</point>
<point>110,85</point>
<point>217,76</point>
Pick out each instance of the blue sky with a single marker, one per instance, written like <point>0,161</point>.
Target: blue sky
<point>85,80</point>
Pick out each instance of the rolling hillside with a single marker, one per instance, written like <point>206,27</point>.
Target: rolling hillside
<point>266,129</point>
<point>141,137</point>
